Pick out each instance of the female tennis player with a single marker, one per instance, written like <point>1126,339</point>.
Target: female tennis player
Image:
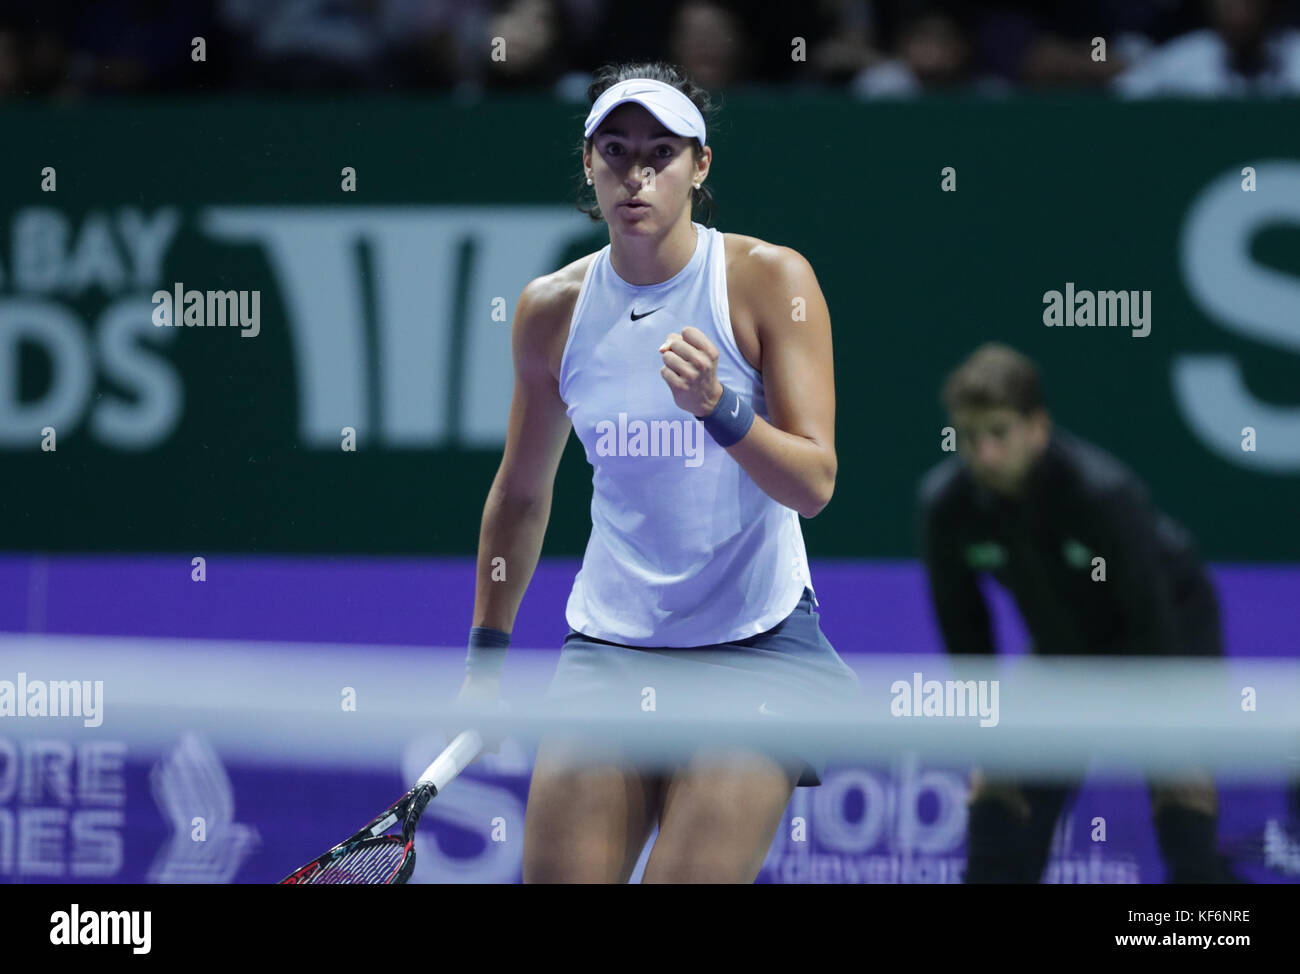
<point>695,367</point>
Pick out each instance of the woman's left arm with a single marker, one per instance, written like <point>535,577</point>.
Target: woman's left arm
<point>792,458</point>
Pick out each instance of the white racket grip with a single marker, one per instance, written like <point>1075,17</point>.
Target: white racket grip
<point>455,757</point>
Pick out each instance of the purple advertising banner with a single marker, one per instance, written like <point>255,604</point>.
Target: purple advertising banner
<point>95,804</point>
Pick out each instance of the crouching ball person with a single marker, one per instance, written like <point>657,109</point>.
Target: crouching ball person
<point>1032,505</point>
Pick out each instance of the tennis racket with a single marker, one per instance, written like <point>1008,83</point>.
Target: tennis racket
<point>371,858</point>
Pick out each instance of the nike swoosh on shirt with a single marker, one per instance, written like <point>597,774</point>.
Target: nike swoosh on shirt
<point>637,317</point>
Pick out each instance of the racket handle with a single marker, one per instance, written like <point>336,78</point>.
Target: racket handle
<point>454,759</point>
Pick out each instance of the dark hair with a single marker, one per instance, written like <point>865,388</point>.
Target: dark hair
<point>669,74</point>
<point>995,376</point>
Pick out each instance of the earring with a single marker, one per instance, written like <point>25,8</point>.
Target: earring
<point>589,182</point>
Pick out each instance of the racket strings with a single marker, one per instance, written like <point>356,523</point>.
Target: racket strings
<point>367,864</point>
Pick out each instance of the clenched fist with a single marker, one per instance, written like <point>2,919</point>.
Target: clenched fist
<point>691,371</point>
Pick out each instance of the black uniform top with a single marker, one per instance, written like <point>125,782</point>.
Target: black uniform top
<point>1079,504</point>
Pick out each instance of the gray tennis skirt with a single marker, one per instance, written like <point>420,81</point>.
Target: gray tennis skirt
<point>791,669</point>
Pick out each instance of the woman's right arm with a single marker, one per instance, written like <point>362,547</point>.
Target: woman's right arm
<point>519,502</point>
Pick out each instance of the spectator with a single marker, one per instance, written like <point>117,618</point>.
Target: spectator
<point>432,43</point>
<point>1242,52</point>
<point>934,53</point>
<point>1051,43</point>
<point>11,65</point>
<point>142,46</point>
<point>535,35</point>
<point>709,41</point>
<point>33,52</point>
<point>1153,47</point>
<point>837,39</point>
<point>306,44</point>
<point>847,44</point>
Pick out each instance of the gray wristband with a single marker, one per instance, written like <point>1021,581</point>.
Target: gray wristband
<point>487,651</point>
<point>731,418</point>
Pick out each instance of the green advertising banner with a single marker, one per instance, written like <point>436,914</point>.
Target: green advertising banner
<point>379,247</point>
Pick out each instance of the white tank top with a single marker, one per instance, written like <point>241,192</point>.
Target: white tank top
<point>685,549</point>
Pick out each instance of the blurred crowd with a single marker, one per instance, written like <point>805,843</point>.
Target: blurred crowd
<point>873,48</point>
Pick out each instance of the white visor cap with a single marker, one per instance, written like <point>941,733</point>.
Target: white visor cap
<point>677,112</point>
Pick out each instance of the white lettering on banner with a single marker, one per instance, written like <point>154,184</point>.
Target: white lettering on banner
<point>48,258</point>
<point>118,253</point>
<point>907,825</point>
<point>49,825</point>
<point>1250,299</point>
<point>314,253</point>
<point>123,336</point>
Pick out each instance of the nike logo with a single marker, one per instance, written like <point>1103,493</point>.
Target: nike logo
<point>637,317</point>
<point>762,709</point>
<point>736,411</point>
